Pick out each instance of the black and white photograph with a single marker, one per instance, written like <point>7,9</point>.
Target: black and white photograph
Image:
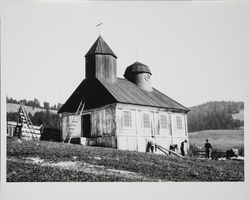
<point>124,97</point>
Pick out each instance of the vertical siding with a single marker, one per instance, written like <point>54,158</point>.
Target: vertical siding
<point>177,134</point>
<point>126,137</point>
<point>90,68</point>
<point>136,137</point>
<point>105,67</point>
<point>102,66</point>
<point>107,128</point>
<point>66,122</point>
<point>104,126</point>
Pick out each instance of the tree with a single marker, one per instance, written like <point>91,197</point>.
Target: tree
<point>46,105</point>
<point>13,116</point>
<point>214,115</point>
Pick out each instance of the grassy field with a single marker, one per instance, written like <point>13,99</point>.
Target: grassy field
<point>220,139</point>
<point>29,161</point>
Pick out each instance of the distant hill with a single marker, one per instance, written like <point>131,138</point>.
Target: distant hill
<point>13,107</point>
<point>216,115</point>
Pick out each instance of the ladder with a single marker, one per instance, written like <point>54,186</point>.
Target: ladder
<point>74,122</point>
<point>25,119</point>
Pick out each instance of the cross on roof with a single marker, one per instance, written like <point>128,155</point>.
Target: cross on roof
<point>99,26</point>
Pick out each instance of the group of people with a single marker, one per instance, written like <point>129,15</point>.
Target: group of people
<point>152,147</point>
<point>208,148</point>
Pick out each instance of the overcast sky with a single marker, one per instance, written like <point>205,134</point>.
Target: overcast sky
<point>196,51</point>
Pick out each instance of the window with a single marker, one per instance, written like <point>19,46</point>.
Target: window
<point>146,120</point>
<point>163,121</point>
<point>127,122</point>
<point>178,122</point>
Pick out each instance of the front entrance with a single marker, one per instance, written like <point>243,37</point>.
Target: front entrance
<point>86,125</point>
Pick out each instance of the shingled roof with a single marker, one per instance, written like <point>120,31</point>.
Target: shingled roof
<point>100,47</point>
<point>97,92</point>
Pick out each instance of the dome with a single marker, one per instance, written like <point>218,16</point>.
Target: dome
<point>136,67</point>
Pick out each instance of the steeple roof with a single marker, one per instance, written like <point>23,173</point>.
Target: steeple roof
<point>100,47</point>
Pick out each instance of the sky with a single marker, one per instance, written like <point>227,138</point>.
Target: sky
<point>197,51</point>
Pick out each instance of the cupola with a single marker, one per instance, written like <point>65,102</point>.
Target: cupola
<point>140,75</point>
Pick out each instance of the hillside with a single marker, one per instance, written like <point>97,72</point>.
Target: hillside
<point>13,107</point>
<point>216,115</point>
<point>220,139</point>
<point>38,116</point>
<point>29,161</point>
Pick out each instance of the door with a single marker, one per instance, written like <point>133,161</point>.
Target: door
<point>86,125</point>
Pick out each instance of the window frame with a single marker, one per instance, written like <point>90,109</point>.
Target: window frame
<point>123,119</point>
<point>167,121</point>
<point>149,120</point>
<point>179,121</point>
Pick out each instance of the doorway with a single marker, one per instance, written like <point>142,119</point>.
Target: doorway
<point>86,125</point>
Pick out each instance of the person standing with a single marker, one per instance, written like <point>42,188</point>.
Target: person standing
<point>208,148</point>
<point>183,148</point>
<point>152,144</point>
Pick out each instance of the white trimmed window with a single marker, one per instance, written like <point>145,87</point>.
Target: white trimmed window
<point>127,119</point>
<point>146,120</point>
<point>179,122</point>
<point>163,121</point>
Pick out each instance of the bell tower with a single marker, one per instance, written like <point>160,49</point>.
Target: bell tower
<point>100,62</point>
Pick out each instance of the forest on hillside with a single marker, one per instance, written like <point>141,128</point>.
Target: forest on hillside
<point>45,118</point>
<point>34,103</point>
<point>214,115</point>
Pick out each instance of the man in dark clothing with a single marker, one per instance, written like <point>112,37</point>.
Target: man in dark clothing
<point>183,147</point>
<point>208,148</point>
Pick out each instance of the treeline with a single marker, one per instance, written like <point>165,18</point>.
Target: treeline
<point>34,103</point>
<point>45,118</point>
<point>214,115</point>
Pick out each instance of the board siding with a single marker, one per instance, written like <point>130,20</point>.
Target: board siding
<point>107,128</point>
<point>136,137</point>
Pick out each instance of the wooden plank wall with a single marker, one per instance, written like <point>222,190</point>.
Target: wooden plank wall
<point>66,121</point>
<point>107,129</point>
<point>136,137</point>
<point>104,126</point>
<point>106,67</point>
<point>102,66</point>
